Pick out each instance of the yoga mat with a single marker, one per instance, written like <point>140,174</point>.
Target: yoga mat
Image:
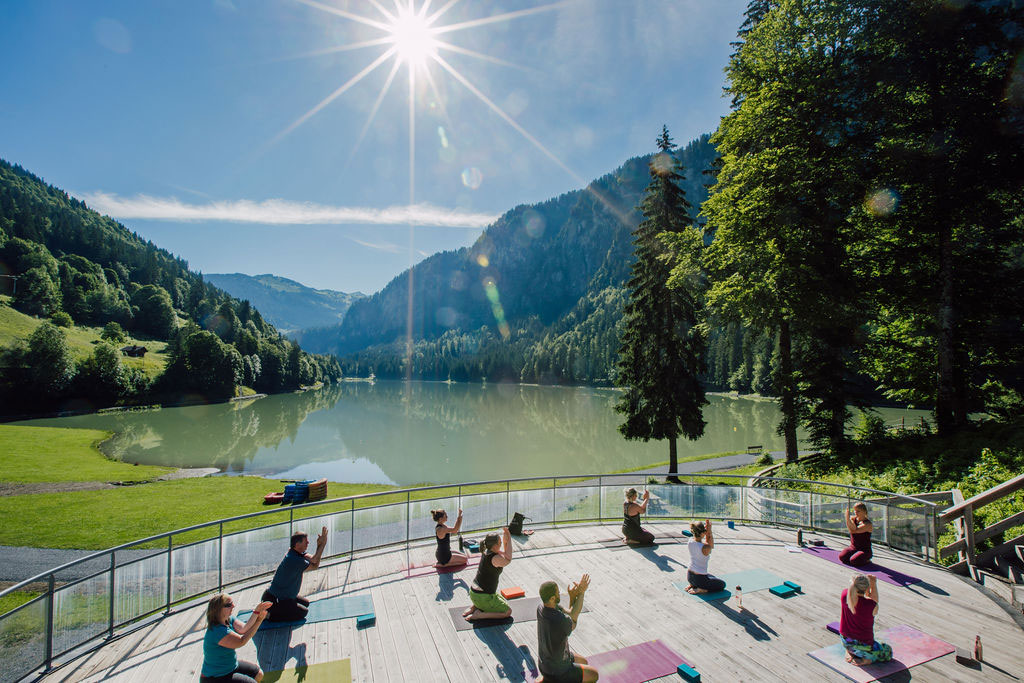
<point>910,647</point>
<point>637,663</point>
<point>327,609</point>
<point>523,609</point>
<point>892,576</point>
<point>749,580</point>
<point>326,672</point>
<point>619,544</point>
<point>428,569</point>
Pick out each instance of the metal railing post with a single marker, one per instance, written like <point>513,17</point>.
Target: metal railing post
<point>291,523</point>
<point>220,559</point>
<point>352,530</point>
<point>110,623</point>
<point>51,582</point>
<point>885,527</point>
<point>600,498</point>
<point>170,572</point>
<point>408,518</point>
<point>508,498</point>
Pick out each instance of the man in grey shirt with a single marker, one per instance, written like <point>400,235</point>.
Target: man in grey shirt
<point>554,624</point>
<point>284,589</point>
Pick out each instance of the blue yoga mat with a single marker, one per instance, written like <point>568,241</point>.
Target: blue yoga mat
<point>328,609</point>
<point>749,580</point>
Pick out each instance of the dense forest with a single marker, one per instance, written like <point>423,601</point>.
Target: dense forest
<point>72,266</point>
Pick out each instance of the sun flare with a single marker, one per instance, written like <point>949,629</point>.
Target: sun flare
<point>413,38</point>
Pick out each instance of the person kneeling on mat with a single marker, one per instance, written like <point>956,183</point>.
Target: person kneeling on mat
<point>224,635</point>
<point>701,545</point>
<point>556,661</point>
<point>857,623</point>
<point>858,553</point>
<point>444,555</point>
<point>487,604</point>
<point>632,532</point>
<point>288,605</point>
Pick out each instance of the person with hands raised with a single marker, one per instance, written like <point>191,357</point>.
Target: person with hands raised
<point>700,546</point>
<point>857,622</point>
<point>444,555</point>
<point>283,592</point>
<point>632,532</point>
<point>224,635</point>
<point>487,602</point>
<point>557,663</point>
<point>858,553</point>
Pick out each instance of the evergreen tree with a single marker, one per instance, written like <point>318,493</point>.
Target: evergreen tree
<point>662,354</point>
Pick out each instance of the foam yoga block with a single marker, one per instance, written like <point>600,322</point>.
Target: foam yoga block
<point>794,586</point>
<point>688,672</point>
<point>365,620</point>
<point>782,591</point>
<point>687,532</point>
<point>731,525</point>
<point>833,626</point>
<point>512,593</point>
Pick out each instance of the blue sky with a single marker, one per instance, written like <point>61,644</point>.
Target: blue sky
<point>187,119</point>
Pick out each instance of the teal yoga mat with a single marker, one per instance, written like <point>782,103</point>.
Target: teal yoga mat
<point>749,580</point>
<point>327,609</point>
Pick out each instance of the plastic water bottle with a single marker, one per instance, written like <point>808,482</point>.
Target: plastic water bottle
<point>977,648</point>
<point>739,597</point>
<point>800,537</point>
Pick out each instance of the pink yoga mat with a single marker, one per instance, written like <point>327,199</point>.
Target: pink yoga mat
<point>428,569</point>
<point>637,663</point>
<point>910,647</point>
<point>884,574</point>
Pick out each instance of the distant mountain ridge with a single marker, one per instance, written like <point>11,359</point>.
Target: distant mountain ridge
<point>288,305</point>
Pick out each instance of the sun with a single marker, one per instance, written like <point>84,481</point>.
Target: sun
<point>414,40</point>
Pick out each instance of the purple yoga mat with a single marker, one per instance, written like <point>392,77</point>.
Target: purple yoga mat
<point>910,647</point>
<point>884,574</point>
<point>637,663</point>
<point>428,569</point>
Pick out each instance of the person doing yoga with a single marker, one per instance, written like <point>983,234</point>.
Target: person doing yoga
<point>701,545</point>
<point>857,623</point>
<point>632,532</point>
<point>858,553</point>
<point>444,555</point>
<point>283,593</point>
<point>556,661</point>
<point>224,635</point>
<point>487,603</point>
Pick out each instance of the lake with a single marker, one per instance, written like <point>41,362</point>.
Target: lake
<point>420,432</point>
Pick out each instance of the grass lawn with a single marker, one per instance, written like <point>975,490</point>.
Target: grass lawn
<point>12,600</point>
<point>15,325</point>
<point>41,454</point>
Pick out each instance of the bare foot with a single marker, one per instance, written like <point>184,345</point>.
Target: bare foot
<point>466,615</point>
<point>695,591</point>
<point>849,658</point>
<point>857,661</point>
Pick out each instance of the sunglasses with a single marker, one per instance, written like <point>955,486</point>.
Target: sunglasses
<point>229,604</point>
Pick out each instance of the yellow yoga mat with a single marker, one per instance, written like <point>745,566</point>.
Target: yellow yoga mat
<point>339,671</point>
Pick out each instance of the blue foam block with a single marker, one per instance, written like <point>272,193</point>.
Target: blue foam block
<point>688,672</point>
<point>794,586</point>
<point>687,532</point>
<point>732,525</point>
<point>364,620</point>
<point>782,591</point>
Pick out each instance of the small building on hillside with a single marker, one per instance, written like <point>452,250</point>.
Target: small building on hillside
<point>134,350</point>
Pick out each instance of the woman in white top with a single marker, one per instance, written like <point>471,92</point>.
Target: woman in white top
<point>700,546</point>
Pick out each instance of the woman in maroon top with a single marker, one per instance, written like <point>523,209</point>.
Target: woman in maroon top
<point>857,623</point>
<point>858,553</point>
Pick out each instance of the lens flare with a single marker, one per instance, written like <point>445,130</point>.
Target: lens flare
<point>472,177</point>
<point>661,163</point>
<point>483,261</point>
<point>491,290</point>
<point>413,37</point>
<point>882,203</point>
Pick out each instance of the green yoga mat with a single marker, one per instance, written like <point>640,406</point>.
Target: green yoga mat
<point>328,609</point>
<point>749,580</point>
<point>327,672</point>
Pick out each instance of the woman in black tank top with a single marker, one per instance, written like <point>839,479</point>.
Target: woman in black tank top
<point>487,602</point>
<point>444,555</point>
<point>632,532</point>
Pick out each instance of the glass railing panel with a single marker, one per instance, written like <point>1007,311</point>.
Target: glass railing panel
<point>490,511</point>
<point>194,569</point>
<point>908,527</point>
<point>829,512</point>
<point>577,503</point>
<point>538,505</point>
<point>140,587</point>
<point>23,640</point>
<point>379,526</point>
<point>422,524</point>
<point>781,506</point>
<point>716,502</point>
<point>254,552</point>
<point>339,532</point>
<point>81,611</point>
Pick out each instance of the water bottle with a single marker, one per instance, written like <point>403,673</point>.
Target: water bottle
<point>800,537</point>
<point>739,597</point>
<point>462,545</point>
<point>977,648</point>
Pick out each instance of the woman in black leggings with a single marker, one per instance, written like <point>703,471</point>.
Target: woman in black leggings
<point>701,545</point>
<point>632,532</point>
<point>444,555</point>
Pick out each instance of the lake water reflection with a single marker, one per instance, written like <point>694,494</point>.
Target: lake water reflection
<point>408,433</point>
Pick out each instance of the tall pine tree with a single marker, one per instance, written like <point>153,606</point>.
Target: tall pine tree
<point>662,354</point>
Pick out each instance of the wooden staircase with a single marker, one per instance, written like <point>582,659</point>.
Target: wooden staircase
<point>1001,567</point>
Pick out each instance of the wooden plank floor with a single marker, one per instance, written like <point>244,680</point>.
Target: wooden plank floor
<point>631,600</point>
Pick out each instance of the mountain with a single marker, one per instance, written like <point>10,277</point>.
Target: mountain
<point>286,304</point>
<point>537,298</point>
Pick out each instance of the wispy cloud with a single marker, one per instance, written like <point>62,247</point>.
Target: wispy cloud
<point>379,246</point>
<point>281,212</point>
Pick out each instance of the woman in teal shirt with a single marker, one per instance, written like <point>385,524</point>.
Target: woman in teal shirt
<point>224,635</point>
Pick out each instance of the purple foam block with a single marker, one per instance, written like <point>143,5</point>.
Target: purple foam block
<point>892,576</point>
<point>834,627</point>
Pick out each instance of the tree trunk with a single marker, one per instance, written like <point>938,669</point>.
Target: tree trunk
<point>946,390</point>
<point>787,393</point>
<point>673,461</point>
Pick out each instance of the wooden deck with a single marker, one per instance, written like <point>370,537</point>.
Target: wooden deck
<point>631,600</point>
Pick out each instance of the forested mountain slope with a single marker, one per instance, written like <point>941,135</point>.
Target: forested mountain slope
<point>69,264</point>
